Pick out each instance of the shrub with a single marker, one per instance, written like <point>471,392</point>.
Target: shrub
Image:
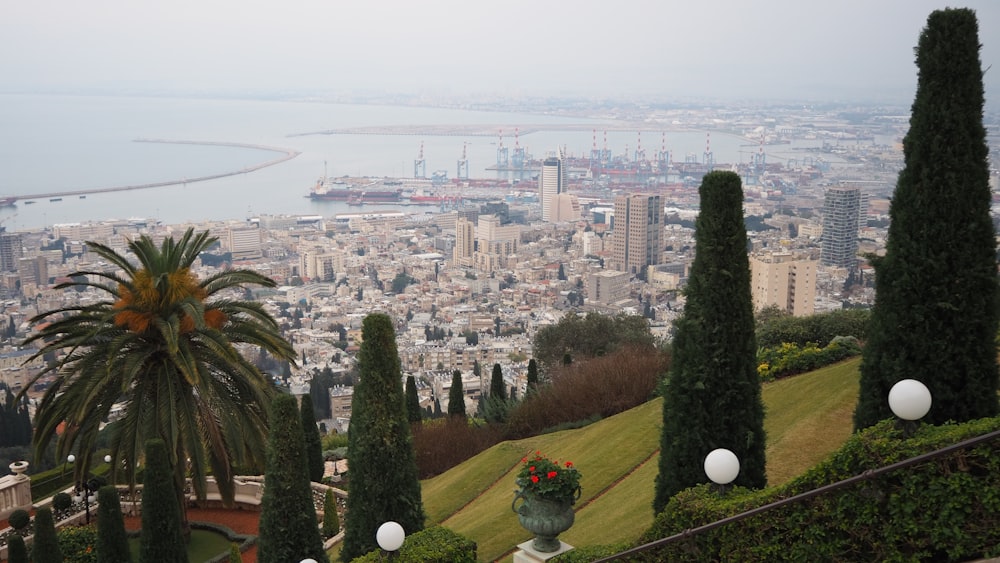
<point>234,554</point>
<point>791,359</point>
<point>45,547</point>
<point>112,540</point>
<point>79,544</point>
<point>17,552</point>
<point>947,509</point>
<point>441,444</point>
<point>62,501</point>
<point>433,545</point>
<point>19,519</point>
<point>822,327</point>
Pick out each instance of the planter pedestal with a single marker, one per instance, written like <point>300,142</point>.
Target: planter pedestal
<point>526,553</point>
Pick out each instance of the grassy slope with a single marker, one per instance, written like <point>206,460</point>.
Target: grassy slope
<point>808,417</point>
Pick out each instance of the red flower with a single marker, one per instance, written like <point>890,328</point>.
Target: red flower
<point>553,474</point>
<point>531,469</point>
<point>569,464</point>
<point>534,478</point>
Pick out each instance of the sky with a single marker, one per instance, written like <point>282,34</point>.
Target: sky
<point>845,50</point>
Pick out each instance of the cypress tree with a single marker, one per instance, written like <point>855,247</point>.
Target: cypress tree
<point>112,540</point>
<point>17,552</point>
<point>289,529</point>
<point>532,375</point>
<point>331,520</point>
<point>383,471</point>
<point>45,545</point>
<point>456,396</point>
<point>712,398</point>
<point>314,446</point>
<point>161,540</point>
<point>936,312</point>
<point>498,390</point>
<point>413,412</point>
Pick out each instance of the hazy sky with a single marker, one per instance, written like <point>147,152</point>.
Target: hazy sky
<point>753,49</point>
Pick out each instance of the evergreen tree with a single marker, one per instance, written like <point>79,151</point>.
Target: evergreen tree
<point>161,540</point>
<point>331,520</point>
<point>289,530</point>
<point>314,445</point>
<point>112,540</point>
<point>456,396</point>
<point>532,375</point>
<point>17,552</point>
<point>936,311</point>
<point>319,390</point>
<point>45,544</point>
<point>498,390</point>
<point>383,471</point>
<point>712,397</point>
<point>413,412</point>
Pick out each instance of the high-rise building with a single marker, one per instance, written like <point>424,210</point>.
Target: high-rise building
<point>551,182</point>
<point>245,243</point>
<point>10,251</point>
<point>841,213</point>
<point>783,280</point>
<point>465,244</point>
<point>638,232</point>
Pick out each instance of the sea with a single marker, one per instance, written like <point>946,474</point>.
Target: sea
<point>61,143</point>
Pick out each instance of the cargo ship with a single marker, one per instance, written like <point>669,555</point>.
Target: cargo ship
<point>338,190</point>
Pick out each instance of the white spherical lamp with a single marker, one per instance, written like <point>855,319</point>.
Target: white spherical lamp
<point>722,466</point>
<point>107,458</point>
<point>909,399</point>
<point>71,458</point>
<point>310,560</point>
<point>390,536</point>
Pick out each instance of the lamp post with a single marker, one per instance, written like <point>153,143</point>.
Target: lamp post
<point>909,400</point>
<point>722,466</point>
<point>390,537</point>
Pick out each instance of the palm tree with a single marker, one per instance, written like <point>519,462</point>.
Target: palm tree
<point>163,346</point>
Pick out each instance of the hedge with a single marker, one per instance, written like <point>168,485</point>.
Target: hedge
<point>431,545</point>
<point>947,509</point>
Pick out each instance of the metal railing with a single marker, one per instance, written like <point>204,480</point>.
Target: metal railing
<point>867,475</point>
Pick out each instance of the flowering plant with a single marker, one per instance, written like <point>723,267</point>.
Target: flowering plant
<point>548,479</point>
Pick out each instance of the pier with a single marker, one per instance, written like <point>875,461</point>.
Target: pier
<point>286,154</point>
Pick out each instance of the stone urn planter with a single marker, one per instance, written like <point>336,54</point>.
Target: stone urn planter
<point>18,467</point>
<point>544,517</point>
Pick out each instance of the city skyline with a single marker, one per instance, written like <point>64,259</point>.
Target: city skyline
<point>774,49</point>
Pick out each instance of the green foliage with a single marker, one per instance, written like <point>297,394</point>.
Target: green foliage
<point>314,448</point>
<point>19,519</point>
<point>790,359</point>
<point>383,473</point>
<point>413,412</point>
<point>15,423</point>
<point>161,540</point>
<point>943,510</point>
<point>588,336</point>
<point>936,309</point>
<point>331,519</point>
<point>17,552</point>
<point>234,554</point>
<point>497,387</point>
<point>532,375</point>
<point>289,529</point>
<point>62,501</point>
<point>163,343</point>
<point>777,329</point>
<point>319,391</point>
<point>45,544</point>
<point>81,544</point>
<point>712,397</point>
<point>433,545</point>
<point>549,479</point>
<point>456,396</point>
<point>112,540</point>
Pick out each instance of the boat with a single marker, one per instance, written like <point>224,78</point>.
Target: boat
<point>6,201</point>
<point>56,199</point>
<point>338,190</point>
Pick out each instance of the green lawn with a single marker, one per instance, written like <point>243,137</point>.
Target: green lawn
<point>807,418</point>
<point>204,545</point>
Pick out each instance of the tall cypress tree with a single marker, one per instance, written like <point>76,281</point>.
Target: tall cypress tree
<point>532,375</point>
<point>456,396</point>
<point>413,412</point>
<point>17,552</point>
<point>112,540</point>
<point>936,312</point>
<point>45,546</point>
<point>497,389</point>
<point>161,540</point>
<point>383,470</point>
<point>712,397</point>
<point>313,443</point>
<point>289,529</point>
